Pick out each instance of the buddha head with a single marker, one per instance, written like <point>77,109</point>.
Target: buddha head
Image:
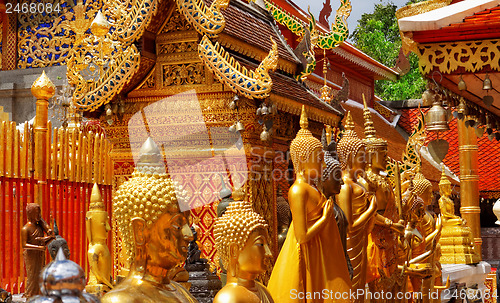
<point>331,179</point>
<point>376,148</point>
<point>33,212</point>
<point>58,242</point>
<point>96,219</point>
<point>351,149</point>
<point>422,187</point>
<point>444,185</point>
<point>306,151</point>
<point>242,241</point>
<point>155,233</point>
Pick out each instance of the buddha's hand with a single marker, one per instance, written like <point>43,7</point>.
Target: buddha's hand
<point>328,209</point>
<point>398,227</point>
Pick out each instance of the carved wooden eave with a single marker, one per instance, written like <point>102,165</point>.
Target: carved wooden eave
<point>255,53</point>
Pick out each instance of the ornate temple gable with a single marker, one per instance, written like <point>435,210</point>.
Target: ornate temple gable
<point>178,67</point>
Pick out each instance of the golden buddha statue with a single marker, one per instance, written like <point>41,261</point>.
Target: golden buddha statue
<point>456,240</point>
<point>430,229</point>
<point>97,225</point>
<point>308,262</point>
<point>154,230</point>
<point>382,240</point>
<point>353,200</point>
<point>242,243</point>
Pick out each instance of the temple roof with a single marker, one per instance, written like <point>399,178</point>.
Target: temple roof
<point>465,20</point>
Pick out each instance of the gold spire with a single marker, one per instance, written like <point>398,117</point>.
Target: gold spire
<point>96,202</point>
<point>369,129</point>
<point>349,123</point>
<point>43,88</point>
<point>304,124</point>
<point>444,179</point>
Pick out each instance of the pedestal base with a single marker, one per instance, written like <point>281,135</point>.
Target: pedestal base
<point>204,284</point>
<point>466,276</point>
<point>97,290</point>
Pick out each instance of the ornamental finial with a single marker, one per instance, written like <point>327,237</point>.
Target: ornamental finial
<point>369,129</point>
<point>43,88</point>
<point>444,179</point>
<point>96,199</point>
<point>304,124</point>
<point>349,123</point>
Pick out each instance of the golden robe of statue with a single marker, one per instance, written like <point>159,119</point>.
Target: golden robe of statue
<point>354,200</point>
<point>310,266</point>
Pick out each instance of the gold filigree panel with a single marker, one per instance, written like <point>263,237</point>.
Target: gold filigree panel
<point>473,56</point>
<point>176,23</point>
<point>182,47</point>
<point>181,74</point>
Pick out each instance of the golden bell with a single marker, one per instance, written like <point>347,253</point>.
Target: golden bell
<point>239,126</point>
<point>487,83</point>
<point>232,128</point>
<point>428,97</point>
<point>461,84</point>
<point>437,117</point>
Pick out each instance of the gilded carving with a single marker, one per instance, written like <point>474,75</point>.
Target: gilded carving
<point>192,73</point>
<point>182,47</point>
<point>473,56</point>
<point>251,84</point>
<point>176,23</point>
<point>207,20</point>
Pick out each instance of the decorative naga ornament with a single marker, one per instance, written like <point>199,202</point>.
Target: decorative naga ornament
<point>154,230</point>
<point>339,30</point>
<point>97,224</point>
<point>63,280</point>
<point>102,62</point>
<point>243,244</point>
<point>251,84</point>
<point>457,243</point>
<point>207,20</point>
<point>309,263</point>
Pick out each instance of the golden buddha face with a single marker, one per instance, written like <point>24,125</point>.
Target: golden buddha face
<point>358,161</point>
<point>378,158</point>
<point>251,259</point>
<point>312,167</point>
<point>427,196</point>
<point>445,189</point>
<point>166,241</point>
<point>98,225</point>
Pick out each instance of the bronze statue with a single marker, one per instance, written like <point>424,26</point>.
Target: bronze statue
<point>242,242</point>
<point>147,207</point>
<point>330,185</point>
<point>63,280</point>
<point>354,200</point>
<point>97,225</point>
<point>309,259</point>
<point>34,243</point>
<point>284,217</point>
<point>58,242</point>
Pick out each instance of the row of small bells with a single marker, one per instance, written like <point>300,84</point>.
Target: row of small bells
<point>265,111</point>
<point>437,117</point>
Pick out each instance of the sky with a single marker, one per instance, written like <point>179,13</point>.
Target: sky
<point>359,7</point>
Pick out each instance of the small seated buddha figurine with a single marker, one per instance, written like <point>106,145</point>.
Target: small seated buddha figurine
<point>308,262</point>
<point>97,226</point>
<point>147,207</point>
<point>457,244</point>
<point>34,242</point>
<point>354,201</point>
<point>242,242</point>
<point>382,240</point>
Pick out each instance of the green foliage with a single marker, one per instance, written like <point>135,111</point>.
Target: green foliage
<point>377,34</point>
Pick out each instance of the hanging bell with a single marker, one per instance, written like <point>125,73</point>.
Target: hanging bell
<point>487,83</point>
<point>239,126</point>
<point>232,105</point>
<point>232,128</point>
<point>461,109</point>
<point>264,135</point>
<point>259,111</point>
<point>428,97</point>
<point>264,110</point>
<point>437,117</point>
<point>461,84</point>
<point>108,109</point>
